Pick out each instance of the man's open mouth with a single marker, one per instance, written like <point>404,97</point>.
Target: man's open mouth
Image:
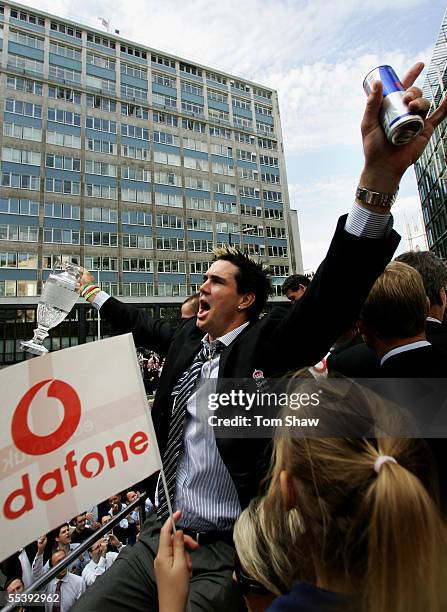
<point>203,307</point>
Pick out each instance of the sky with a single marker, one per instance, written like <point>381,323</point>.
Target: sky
<point>316,54</point>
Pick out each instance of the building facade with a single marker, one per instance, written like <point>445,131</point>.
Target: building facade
<point>131,162</point>
<point>431,173</point>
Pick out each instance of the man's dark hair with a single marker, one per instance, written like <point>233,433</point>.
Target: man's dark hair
<point>251,277</point>
<point>293,282</point>
<point>54,552</point>
<point>432,269</point>
<point>10,581</point>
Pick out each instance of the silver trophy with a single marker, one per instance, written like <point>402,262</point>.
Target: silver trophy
<point>59,295</point>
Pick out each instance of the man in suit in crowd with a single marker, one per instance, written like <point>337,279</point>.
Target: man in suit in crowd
<point>434,276</point>
<point>392,322</point>
<point>214,478</point>
<point>295,286</point>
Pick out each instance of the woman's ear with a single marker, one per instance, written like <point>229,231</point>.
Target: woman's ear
<point>288,491</point>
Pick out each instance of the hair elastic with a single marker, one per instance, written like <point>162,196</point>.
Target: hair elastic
<point>381,459</point>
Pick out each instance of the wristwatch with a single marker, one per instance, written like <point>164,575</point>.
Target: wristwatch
<point>375,198</point>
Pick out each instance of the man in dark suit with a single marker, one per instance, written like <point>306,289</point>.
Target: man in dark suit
<point>215,478</point>
<point>434,276</point>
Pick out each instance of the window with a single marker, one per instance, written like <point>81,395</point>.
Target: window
<point>100,40</point>
<point>266,160</point>
<point>25,63</point>
<point>242,122</point>
<point>264,127</point>
<point>62,93</point>
<point>28,17</point>
<point>217,96</point>
<point>216,78</point>
<point>223,227</point>
<point>104,85</point>
<point>279,270</point>
<point>168,199</point>
<point>273,213</point>
<point>198,203</point>
<point>20,181</point>
<point>190,69</point>
<point>195,145</point>
<point>165,119</point>
<point>198,267</point>
<point>24,132</point>
<point>19,207</point>
<point>105,239</point>
<point>220,132</point>
<point>200,246</point>
<point>64,51</point>
<point>53,185</point>
<point>196,163</point>
<point>62,211</point>
<point>255,249</point>
<point>133,173</point>
<point>66,117</point>
<point>100,146</point>
<point>102,168</point>
<point>133,131</point>
<point>201,225</point>
<point>220,115</point>
<point>101,125</point>
<point>138,289</point>
<point>164,100</point>
<point>100,61</point>
<point>164,80</point>
<point>163,61</point>
<point>133,51</point>
<point>272,196</point>
<point>240,103</point>
<point>26,39</point>
<point>226,188</point>
<point>105,104</point>
<point>190,107</point>
<point>191,88</point>
<point>50,261</point>
<point>229,208</point>
<point>104,215</point>
<point>171,289</point>
<point>168,178</point>
<point>276,232</point>
<point>166,138</point>
<point>135,93</point>
<point>195,126</point>
<point>170,244</point>
<point>93,190</point>
<point>247,138</point>
<point>66,74</point>
<point>18,260</point>
<point>222,169</point>
<point>134,152</point>
<point>134,71</point>
<point>265,143</point>
<point>277,251</point>
<point>193,182</point>
<point>135,195</point>
<point>262,93</point>
<point>240,86</point>
<point>161,157</point>
<point>137,241</point>
<point>20,107</point>
<point>136,264</point>
<point>246,155</point>
<point>172,266</point>
<point>263,110</point>
<point>21,84</point>
<point>136,217</point>
<point>169,221</point>
<point>22,233</point>
<point>132,110</point>
<point>101,263</point>
<point>64,140</point>
<point>248,192</point>
<point>247,173</point>
<point>67,30</point>
<point>19,156</point>
<point>269,178</point>
<point>252,211</point>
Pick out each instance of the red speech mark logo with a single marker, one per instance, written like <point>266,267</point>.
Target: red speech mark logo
<point>30,443</point>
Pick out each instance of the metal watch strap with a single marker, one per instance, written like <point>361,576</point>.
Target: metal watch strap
<point>375,198</point>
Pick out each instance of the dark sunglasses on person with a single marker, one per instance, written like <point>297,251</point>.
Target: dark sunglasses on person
<point>247,584</point>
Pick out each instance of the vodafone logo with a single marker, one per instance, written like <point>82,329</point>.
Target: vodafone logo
<point>32,444</point>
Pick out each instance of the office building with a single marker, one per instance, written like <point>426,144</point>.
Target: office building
<point>131,162</point>
<point>430,170</point>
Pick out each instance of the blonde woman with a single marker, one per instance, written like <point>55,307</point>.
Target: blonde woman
<point>366,533</point>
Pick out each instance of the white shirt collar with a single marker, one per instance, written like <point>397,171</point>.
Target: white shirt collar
<point>228,338</point>
<point>403,349</point>
<point>433,320</point>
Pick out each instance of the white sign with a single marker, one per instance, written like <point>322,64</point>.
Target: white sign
<point>75,428</point>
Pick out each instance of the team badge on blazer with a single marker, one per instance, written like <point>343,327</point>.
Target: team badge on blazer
<point>258,374</point>
<point>260,381</point>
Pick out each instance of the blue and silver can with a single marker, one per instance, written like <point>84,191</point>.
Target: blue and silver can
<point>399,123</point>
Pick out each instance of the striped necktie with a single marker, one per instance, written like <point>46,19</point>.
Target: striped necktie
<point>182,392</point>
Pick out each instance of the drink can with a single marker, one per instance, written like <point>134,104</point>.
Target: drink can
<point>399,123</point>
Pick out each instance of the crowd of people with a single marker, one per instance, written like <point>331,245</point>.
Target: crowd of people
<point>316,522</point>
